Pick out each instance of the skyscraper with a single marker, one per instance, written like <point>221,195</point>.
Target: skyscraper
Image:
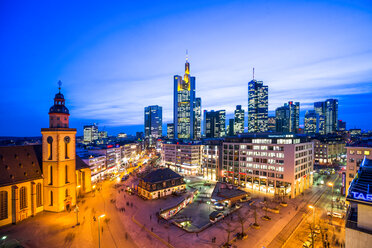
<point>294,116</point>
<point>271,124</point>
<point>328,115</point>
<point>170,131</point>
<point>341,126</point>
<point>257,106</point>
<point>231,128</point>
<point>311,120</point>
<point>214,123</point>
<point>282,116</point>
<point>90,133</point>
<point>183,104</point>
<point>197,118</point>
<point>331,114</point>
<point>238,120</point>
<point>153,122</point>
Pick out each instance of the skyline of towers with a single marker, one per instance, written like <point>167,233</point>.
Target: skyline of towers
<point>328,115</point>
<point>311,119</point>
<point>239,120</point>
<point>257,106</point>
<point>90,133</point>
<point>153,122</point>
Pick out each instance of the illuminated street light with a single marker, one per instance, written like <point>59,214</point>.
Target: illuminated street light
<point>331,185</point>
<point>99,230</point>
<point>313,208</point>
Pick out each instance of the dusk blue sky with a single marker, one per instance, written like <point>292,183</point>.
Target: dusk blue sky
<point>116,58</point>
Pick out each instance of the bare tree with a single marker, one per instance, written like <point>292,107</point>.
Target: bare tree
<point>229,229</point>
<point>242,218</point>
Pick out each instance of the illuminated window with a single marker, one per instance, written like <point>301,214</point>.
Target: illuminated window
<point>366,153</point>
<point>39,202</point>
<point>3,205</point>
<point>22,198</point>
<point>359,152</point>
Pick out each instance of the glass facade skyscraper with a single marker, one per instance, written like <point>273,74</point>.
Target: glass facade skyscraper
<point>282,116</point>
<point>328,115</point>
<point>311,119</point>
<point>294,116</point>
<point>186,108</point>
<point>215,122</point>
<point>257,106</point>
<point>153,122</point>
<point>238,120</point>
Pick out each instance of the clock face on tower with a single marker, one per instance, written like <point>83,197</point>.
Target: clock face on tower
<point>50,140</point>
<point>67,139</point>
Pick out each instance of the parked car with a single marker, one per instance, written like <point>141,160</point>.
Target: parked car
<point>216,216</point>
<point>245,199</point>
<point>218,206</point>
<point>335,214</point>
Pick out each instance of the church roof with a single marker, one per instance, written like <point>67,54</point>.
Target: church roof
<point>20,164</point>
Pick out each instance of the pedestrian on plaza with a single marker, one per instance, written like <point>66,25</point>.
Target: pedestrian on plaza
<point>126,236</point>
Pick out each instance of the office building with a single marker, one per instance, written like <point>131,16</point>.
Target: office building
<point>185,105</point>
<point>197,118</point>
<point>257,106</point>
<point>214,123</point>
<point>329,149</point>
<point>238,120</point>
<point>90,133</point>
<point>288,118</point>
<point>153,122</point>
<point>271,124</point>
<point>182,157</point>
<point>230,130</point>
<point>341,125</point>
<point>294,116</point>
<point>170,131</point>
<point>311,118</point>
<point>282,117</point>
<point>102,135</point>
<point>211,159</point>
<point>355,153</point>
<point>358,225</point>
<point>331,115</point>
<point>273,164</point>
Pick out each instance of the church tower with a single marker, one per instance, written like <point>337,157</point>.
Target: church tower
<point>59,162</point>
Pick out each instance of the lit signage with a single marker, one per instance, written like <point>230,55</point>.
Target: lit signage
<point>362,196</point>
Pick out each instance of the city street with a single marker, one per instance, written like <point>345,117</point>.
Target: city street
<point>61,228</point>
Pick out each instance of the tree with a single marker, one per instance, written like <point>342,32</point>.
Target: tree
<point>242,218</point>
<point>229,229</point>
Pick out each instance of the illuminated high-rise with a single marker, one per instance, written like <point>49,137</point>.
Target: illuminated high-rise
<point>311,119</point>
<point>328,115</point>
<point>183,105</point>
<point>257,106</point>
<point>215,122</point>
<point>197,118</point>
<point>238,120</point>
<point>294,116</point>
<point>153,122</point>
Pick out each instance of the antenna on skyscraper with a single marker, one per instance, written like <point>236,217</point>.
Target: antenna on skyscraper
<point>187,55</point>
<point>253,73</point>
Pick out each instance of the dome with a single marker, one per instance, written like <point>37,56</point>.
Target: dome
<point>59,95</point>
<point>61,109</point>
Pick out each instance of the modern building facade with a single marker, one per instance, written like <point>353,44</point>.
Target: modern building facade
<point>328,115</point>
<point>197,118</point>
<point>341,125</point>
<point>294,116</point>
<point>356,152</point>
<point>273,164</point>
<point>211,159</point>
<point>271,124</point>
<point>358,226</point>
<point>215,123</point>
<point>282,117</point>
<point>257,106</point>
<point>184,102</point>
<point>153,122</point>
<point>329,149</point>
<point>311,119</point>
<point>90,133</point>
<point>238,120</point>
<point>170,130</point>
<point>182,157</point>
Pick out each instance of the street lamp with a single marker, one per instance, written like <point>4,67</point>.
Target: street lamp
<point>99,230</point>
<point>76,205</point>
<point>313,229</point>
